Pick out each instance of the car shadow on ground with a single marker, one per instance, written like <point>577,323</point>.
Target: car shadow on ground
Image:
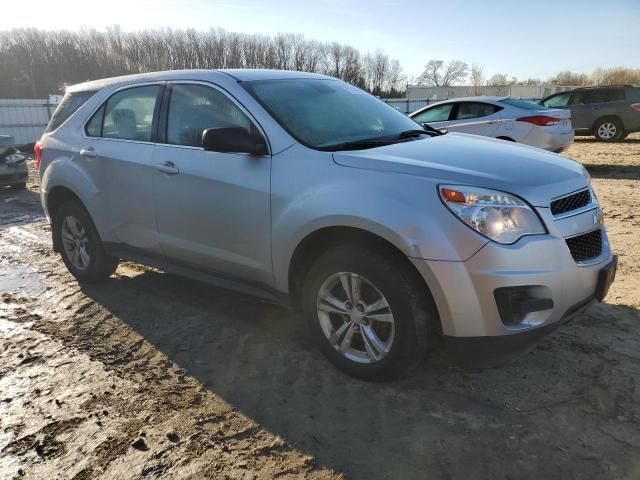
<point>593,140</point>
<point>257,357</point>
<point>625,172</point>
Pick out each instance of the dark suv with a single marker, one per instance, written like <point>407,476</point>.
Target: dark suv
<point>608,113</point>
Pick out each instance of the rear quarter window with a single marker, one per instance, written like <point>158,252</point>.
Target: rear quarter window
<point>68,106</point>
<point>599,95</point>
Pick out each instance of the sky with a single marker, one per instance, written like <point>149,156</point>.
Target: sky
<point>521,38</point>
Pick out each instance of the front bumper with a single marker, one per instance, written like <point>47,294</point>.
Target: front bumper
<point>14,174</point>
<point>464,292</point>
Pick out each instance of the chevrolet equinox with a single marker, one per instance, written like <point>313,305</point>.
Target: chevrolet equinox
<point>301,188</point>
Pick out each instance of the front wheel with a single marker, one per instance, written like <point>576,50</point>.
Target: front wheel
<point>80,244</point>
<point>366,311</point>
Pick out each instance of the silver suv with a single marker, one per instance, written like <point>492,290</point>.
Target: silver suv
<point>301,188</point>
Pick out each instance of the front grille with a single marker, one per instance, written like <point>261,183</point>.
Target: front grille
<point>571,202</point>
<point>585,247</point>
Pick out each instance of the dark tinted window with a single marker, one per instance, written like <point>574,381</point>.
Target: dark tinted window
<point>599,95</point>
<point>194,108</point>
<point>439,113</point>
<point>68,106</point>
<point>561,100</point>
<point>474,110</point>
<point>128,114</point>
<point>633,94</point>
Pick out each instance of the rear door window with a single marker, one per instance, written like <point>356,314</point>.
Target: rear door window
<point>127,115</point>
<point>475,110</point>
<point>67,107</point>
<point>439,113</point>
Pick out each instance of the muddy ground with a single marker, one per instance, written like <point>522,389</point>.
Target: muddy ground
<point>150,375</point>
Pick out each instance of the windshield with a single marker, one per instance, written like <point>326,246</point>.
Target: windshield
<point>328,113</point>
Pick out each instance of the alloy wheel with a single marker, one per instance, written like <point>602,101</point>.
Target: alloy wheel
<point>607,130</point>
<point>75,243</point>
<point>355,317</point>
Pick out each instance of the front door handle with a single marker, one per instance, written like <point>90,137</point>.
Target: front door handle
<point>88,152</point>
<point>167,167</point>
<point>595,108</point>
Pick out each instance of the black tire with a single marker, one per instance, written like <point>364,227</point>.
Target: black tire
<point>19,186</point>
<point>608,130</point>
<point>100,266</point>
<point>410,304</point>
<point>624,135</point>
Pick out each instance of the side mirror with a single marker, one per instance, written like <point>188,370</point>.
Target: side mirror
<point>233,140</point>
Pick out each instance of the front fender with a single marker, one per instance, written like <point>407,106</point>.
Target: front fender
<point>402,209</point>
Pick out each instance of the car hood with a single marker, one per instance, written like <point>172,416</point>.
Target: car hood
<point>534,174</point>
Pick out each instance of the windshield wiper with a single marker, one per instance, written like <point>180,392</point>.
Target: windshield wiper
<point>382,141</point>
<point>428,129</point>
<point>359,144</point>
<point>412,133</point>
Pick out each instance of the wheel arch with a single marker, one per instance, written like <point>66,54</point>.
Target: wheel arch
<point>611,116</point>
<point>321,239</point>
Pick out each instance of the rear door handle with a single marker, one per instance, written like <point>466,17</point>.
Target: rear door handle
<point>167,167</point>
<point>595,108</point>
<point>88,152</point>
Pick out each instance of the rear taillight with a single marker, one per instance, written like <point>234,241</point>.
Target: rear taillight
<point>540,120</point>
<point>38,149</point>
<point>636,106</point>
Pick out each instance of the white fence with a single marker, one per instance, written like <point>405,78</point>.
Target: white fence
<point>25,119</point>
<point>513,91</point>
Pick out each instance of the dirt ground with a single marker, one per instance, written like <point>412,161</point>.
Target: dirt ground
<point>150,375</point>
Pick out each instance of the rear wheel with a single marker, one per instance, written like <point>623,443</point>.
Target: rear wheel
<point>366,311</point>
<point>80,244</point>
<point>608,130</point>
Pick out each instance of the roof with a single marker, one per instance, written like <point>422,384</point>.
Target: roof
<point>239,74</point>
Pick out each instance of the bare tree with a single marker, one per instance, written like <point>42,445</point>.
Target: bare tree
<point>437,74</point>
<point>570,78</point>
<point>615,76</point>
<point>477,77</point>
<point>498,79</point>
<point>36,63</point>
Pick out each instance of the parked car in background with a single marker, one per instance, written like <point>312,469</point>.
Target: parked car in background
<point>300,187</point>
<point>13,165</point>
<point>608,113</point>
<point>501,117</point>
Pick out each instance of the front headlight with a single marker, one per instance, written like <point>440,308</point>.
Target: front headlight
<point>497,215</point>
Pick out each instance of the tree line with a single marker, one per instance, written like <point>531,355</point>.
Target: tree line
<point>35,63</point>
<point>437,73</point>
